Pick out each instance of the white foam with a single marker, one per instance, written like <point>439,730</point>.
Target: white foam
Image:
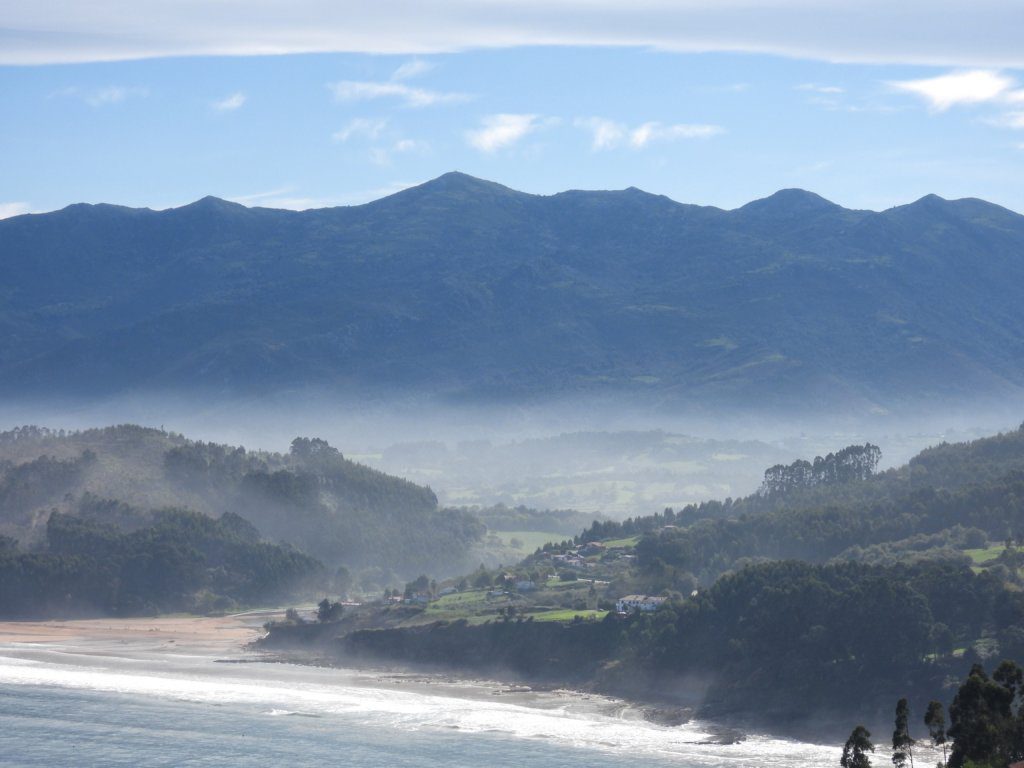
<point>279,690</point>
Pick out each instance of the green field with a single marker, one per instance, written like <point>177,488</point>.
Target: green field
<point>462,605</point>
<point>628,543</point>
<point>985,555</point>
<point>531,540</point>
<point>567,615</point>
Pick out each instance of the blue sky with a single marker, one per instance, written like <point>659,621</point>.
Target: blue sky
<point>716,123</point>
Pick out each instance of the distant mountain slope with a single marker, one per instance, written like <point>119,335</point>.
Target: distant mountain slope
<point>465,288</point>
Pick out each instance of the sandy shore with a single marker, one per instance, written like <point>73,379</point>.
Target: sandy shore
<point>216,633</point>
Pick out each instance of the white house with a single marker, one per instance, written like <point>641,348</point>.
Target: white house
<point>631,603</point>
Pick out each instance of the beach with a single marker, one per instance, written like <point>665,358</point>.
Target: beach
<point>182,690</point>
<point>226,633</point>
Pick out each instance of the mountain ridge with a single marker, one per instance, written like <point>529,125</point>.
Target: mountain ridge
<point>465,288</point>
<point>463,181</point>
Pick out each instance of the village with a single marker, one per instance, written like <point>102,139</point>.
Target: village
<point>560,582</point>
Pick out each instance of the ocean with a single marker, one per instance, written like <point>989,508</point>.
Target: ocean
<point>124,703</point>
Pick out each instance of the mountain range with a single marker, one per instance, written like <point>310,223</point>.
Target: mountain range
<point>468,290</point>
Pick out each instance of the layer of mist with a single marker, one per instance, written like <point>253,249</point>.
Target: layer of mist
<point>591,455</point>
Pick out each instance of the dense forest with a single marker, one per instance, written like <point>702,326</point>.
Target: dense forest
<point>171,560</point>
<point>500,517</point>
<point>946,499</point>
<point>312,497</point>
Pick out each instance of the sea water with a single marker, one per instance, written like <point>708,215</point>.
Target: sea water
<point>101,705</point>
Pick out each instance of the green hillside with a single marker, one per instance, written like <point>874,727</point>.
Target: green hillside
<point>312,498</point>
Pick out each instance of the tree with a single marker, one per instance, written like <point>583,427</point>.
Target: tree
<point>981,723</point>
<point>902,744</point>
<point>1011,677</point>
<point>855,751</point>
<point>935,720</point>
<point>327,611</point>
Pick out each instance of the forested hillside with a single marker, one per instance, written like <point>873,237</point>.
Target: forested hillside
<point>169,561</point>
<point>833,578</point>
<point>467,289</point>
<point>948,499</point>
<point>312,498</point>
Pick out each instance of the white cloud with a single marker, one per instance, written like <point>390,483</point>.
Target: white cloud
<point>412,69</point>
<point>500,131</point>
<point>642,136</point>
<point>956,88</point>
<point>229,103</point>
<point>7,210</point>
<point>361,126</point>
<point>608,134</point>
<point>351,90</point>
<point>100,97</point>
<point>286,198</point>
<point>815,88</point>
<point>969,33</point>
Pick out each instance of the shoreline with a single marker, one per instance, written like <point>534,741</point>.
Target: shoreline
<point>237,637</point>
<point>657,707</point>
<point>227,633</point>
<point>463,683</point>
<point>187,658</point>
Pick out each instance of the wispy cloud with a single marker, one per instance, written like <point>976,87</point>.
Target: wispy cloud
<point>7,210</point>
<point>100,97</point>
<point>412,69</point>
<point>230,103</point>
<point>927,32</point>
<point>815,88</point>
<point>1013,120</point>
<point>287,197</point>
<point>500,131</point>
<point>976,86</point>
<point>353,90</point>
<point>369,128</point>
<point>648,132</point>
<point>609,134</point>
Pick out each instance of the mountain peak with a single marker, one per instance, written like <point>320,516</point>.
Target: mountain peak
<point>793,199</point>
<point>211,203</point>
<point>451,187</point>
<point>457,181</point>
<point>965,208</point>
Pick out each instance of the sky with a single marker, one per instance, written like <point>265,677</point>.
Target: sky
<point>314,103</point>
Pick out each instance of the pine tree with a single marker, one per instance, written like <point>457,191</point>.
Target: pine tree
<point>902,744</point>
<point>935,720</point>
<point>856,748</point>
